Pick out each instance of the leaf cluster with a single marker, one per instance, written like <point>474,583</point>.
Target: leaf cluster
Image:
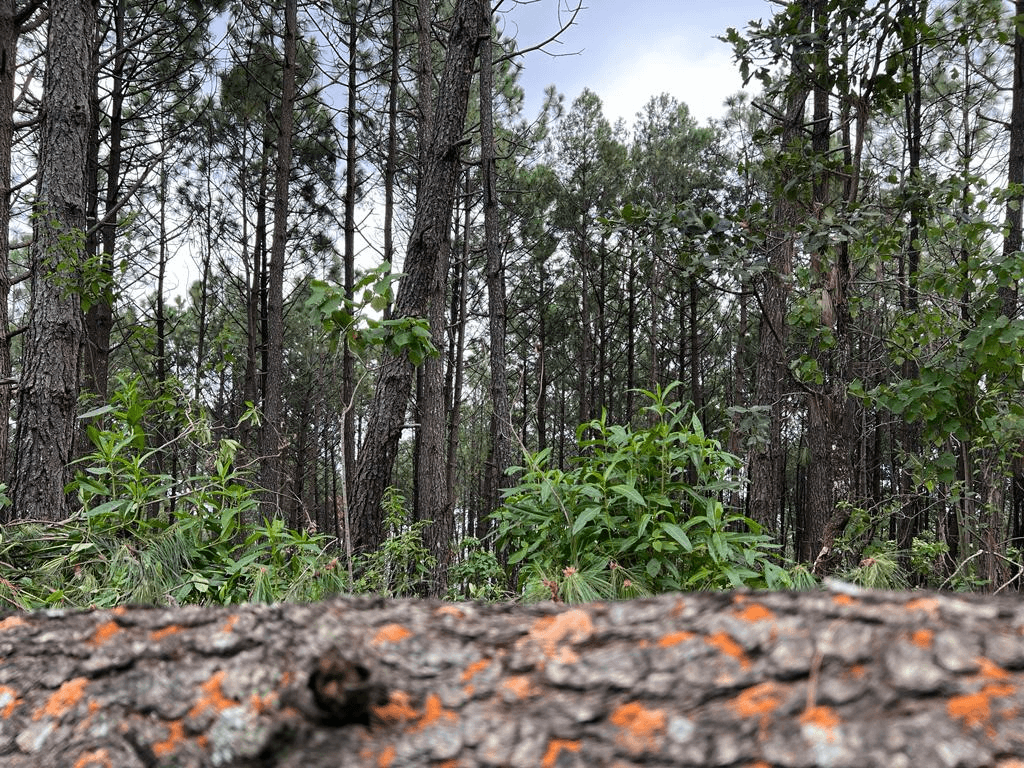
<point>641,512</point>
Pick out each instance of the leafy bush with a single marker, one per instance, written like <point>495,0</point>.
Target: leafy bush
<point>476,574</point>
<point>626,521</point>
<point>401,566</point>
<point>126,545</point>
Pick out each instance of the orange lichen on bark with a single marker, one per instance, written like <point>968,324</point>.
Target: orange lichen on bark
<point>841,599</point>
<point>399,707</point>
<point>212,696</point>
<point>975,709</point>
<point>391,633</point>
<point>857,671</point>
<point>434,711</point>
<point>989,670</point>
<point>386,757</point>
<point>673,638</point>
<point>8,700</point>
<point>450,610</point>
<point>922,638</point>
<point>263,704</point>
<point>94,758</point>
<point>175,735</point>
<point>63,699</point>
<point>104,632</point>
<point>11,622</point>
<point>724,643</point>
<point>555,747</point>
<point>757,701</point>
<point>520,686</point>
<point>229,625</point>
<point>929,605</point>
<point>477,666</point>
<point>755,612</point>
<point>159,634</point>
<point>550,632</point>
<point>639,726</point>
<point>822,717</point>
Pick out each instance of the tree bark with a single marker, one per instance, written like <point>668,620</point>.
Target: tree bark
<point>428,243</point>
<point>846,678</point>
<point>500,456</point>
<point>272,441</point>
<point>348,372</point>
<point>99,319</point>
<point>8,67</point>
<point>766,458</point>
<point>48,393</point>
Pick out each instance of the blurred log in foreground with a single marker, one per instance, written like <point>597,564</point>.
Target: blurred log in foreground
<point>725,679</point>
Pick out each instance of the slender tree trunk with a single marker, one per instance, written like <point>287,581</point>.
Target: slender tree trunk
<point>1013,243</point>
<point>766,459</point>
<point>390,161</point>
<point>910,523</point>
<point>99,319</point>
<point>427,245</point>
<point>8,67</point>
<point>348,372</point>
<point>48,394</point>
<point>456,355</point>
<point>272,442</point>
<point>820,417</point>
<point>500,456</point>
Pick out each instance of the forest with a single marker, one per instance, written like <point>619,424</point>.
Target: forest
<point>299,300</point>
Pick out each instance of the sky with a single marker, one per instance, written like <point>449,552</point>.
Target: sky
<point>630,50</point>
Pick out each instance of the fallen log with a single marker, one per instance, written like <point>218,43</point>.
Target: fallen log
<point>833,678</point>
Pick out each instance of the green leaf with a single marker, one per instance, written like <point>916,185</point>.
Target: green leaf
<point>679,535</point>
<point>585,517</point>
<point>629,492</point>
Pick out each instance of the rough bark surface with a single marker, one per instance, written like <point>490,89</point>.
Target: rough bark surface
<point>48,389</point>
<point>841,678</point>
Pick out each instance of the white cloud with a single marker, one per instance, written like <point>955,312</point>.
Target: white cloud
<point>702,79</point>
<point>631,52</point>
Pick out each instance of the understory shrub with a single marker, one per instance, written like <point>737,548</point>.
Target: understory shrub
<point>128,543</point>
<point>640,512</point>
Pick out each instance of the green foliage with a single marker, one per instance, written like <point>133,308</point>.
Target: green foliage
<point>402,564</point>
<point>640,513</point>
<point>477,575</point>
<point>347,318</point>
<point>927,554</point>
<point>129,544</point>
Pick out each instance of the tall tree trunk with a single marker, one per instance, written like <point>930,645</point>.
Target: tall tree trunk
<point>272,443</point>
<point>1014,239</point>
<point>348,372</point>
<point>427,246</point>
<point>431,498</point>
<point>910,522</point>
<point>8,67</point>
<point>48,394</point>
<point>1015,162</point>
<point>766,457</point>
<point>99,319</point>
<point>821,442</point>
<point>500,456</point>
